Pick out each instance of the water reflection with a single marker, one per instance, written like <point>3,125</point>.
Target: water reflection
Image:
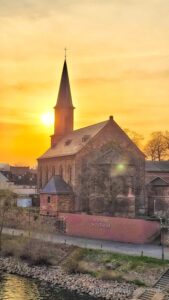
<point>13,287</point>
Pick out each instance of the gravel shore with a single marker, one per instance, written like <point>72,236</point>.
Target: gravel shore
<point>80,283</point>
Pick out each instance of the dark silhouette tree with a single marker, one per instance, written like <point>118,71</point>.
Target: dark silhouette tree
<point>7,200</point>
<point>158,145</point>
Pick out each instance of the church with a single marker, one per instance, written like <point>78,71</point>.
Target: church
<point>94,170</point>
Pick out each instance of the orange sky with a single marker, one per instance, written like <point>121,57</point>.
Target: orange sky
<point>118,61</point>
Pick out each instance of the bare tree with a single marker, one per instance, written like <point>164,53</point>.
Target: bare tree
<point>166,137</point>
<point>7,199</point>
<point>157,147</point>
<point>136,137</point>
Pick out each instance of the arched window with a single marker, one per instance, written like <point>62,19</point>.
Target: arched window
<point>40,177</point>
<point>61,171</point>
<point>46,175</point>
<point>53,171</point>
<point>69,174</point>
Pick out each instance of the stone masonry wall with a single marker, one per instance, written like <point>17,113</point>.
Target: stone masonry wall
<point>56,166</point>
<point>112,133</point>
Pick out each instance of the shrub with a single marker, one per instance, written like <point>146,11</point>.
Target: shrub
<point>70,265</point>
<point>11,247</point>
<point>36,252</point>
<point>110,275</point>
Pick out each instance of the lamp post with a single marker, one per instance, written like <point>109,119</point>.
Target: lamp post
<point>164,223</point>
<point>154,207</point>
<point>161,238</point>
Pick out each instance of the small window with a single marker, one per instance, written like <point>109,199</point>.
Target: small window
<point>48,199</point>
<point>85,138</point>
<point>69,174</point>
<point>53,171</point>
<point>68,142</point>
<point>61,171</point>
<point>46,174</point>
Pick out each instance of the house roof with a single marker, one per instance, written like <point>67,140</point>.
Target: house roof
<point>56,185</point>
<point>74,141</point>
<point>158,181</point>
<point>3,178</point>
<point>157,166</point>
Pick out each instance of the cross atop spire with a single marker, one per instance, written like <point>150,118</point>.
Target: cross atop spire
<point>65,53</point>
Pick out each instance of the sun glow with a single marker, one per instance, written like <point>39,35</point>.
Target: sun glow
<point>47,119</point>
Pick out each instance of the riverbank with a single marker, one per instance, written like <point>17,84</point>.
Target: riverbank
<point>99,273</point>
<point>81,283</point>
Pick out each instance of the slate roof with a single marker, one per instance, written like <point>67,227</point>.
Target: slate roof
<point>158,181</point>
<point>74,141</point>
<point>3,178</point>
<point>157,166</point>
<point>56,185</point>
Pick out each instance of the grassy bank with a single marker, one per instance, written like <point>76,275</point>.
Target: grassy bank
<point>36,252</point>
<point>100,264</point>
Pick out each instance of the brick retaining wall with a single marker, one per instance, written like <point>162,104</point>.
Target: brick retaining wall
<point>111,228</point>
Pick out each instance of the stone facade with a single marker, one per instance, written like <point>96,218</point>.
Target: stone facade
<point>109,151</point>
<point>63,166</point>
<point>157,187</point>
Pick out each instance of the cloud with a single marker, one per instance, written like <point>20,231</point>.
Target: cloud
<point>34,8</point>
<point>125,75</point>
<point>26,87</point>
<point>43,8</point>
<point>144,75</point>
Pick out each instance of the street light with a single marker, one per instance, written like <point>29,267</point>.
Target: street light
<point>154,207</point>
<point>161,237</point>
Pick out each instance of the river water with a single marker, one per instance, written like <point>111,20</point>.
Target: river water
<point>14,287</point>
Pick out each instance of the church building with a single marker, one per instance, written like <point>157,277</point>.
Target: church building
<point>93,170</point>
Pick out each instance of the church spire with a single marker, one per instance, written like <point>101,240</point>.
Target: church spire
<point>63,109</point>
<point>64,95</point>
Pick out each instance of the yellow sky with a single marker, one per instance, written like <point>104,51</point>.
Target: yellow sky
<point>118,61</point>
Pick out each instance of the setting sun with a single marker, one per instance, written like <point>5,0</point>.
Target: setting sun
<point>47,119</point>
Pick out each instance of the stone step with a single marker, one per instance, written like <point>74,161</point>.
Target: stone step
<point>147,295</point>
<point>163,282</point>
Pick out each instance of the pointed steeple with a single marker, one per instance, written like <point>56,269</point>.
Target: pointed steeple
<point>63,109</point>
<point>64,96</point>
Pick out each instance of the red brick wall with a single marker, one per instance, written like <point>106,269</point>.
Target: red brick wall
<point>111,228</point>
<point>48,208</point>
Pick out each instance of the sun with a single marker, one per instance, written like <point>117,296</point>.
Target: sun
<point>47,119</point>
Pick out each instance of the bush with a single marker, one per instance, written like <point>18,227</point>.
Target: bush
<point>110,275</point>
<point>70,265</point>
<point>36,252</point>
<point>11,247</point>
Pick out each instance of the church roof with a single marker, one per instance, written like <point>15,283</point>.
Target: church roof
<point>74,141</point>
<point>56,185</point>
<point>64,96</point>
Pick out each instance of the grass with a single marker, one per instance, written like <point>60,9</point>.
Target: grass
<point>35,252</point>
<point>132,261</point>
<point>124,267</point>
<point>98,263</point>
